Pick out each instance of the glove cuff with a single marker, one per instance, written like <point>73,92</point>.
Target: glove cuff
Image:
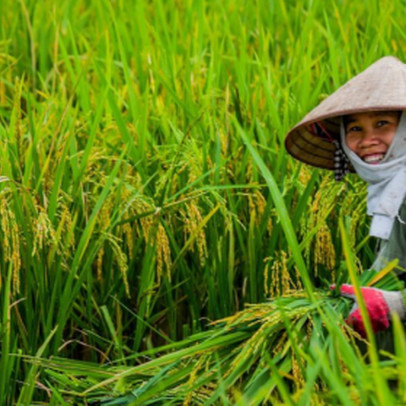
<point>395,303</point>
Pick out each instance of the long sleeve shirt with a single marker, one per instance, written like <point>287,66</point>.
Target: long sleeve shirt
<point>395,246</point>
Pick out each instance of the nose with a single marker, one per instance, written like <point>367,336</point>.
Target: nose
<point>369,138</point>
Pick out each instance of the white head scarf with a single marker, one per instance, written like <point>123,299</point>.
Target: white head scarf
<point>387,181</point>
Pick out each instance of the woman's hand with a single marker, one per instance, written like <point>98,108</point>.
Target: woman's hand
<point>379,303</point>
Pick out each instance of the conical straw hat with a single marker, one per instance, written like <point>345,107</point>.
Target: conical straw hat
<point>382,86</point>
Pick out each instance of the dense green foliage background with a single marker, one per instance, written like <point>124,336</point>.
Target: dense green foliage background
<point>132,211</point>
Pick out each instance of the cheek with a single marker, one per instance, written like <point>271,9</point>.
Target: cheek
<point>390,137</point>
<point>351,143</point>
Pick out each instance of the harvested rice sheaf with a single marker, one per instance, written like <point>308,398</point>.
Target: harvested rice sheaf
<point>289,343</point>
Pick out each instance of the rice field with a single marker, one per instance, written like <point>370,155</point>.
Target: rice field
<point>158,244</point>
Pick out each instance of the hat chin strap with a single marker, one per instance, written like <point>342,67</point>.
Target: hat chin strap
<point>341,161</point>
<point>387,181</point>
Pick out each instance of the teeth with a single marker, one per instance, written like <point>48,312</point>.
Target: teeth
<point>373,158</point>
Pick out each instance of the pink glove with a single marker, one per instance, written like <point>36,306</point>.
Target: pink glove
<point>379,304</point>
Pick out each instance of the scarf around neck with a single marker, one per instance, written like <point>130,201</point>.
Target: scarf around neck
<point>387,181</point>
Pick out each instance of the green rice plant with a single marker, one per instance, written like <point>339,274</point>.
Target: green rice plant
<point>280,351</point>
<point>133,209</point>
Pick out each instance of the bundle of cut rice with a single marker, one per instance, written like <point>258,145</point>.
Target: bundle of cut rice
<point>285,350</point>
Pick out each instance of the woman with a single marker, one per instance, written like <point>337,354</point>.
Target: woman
<point>362,128</point>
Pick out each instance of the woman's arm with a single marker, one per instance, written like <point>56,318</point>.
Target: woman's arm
<point>382,304</point>
<point>395,246</point>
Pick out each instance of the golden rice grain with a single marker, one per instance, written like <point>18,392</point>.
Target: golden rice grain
<point>163,253</point>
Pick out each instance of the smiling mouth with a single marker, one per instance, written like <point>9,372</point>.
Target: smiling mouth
<point>373,158</point>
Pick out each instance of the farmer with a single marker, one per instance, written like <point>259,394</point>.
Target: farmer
<point>361,128</point>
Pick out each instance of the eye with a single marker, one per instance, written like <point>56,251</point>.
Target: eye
<point>354,128</point>
<point>381,123</point>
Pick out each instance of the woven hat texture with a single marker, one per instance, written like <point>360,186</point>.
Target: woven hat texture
<point>382,86</point>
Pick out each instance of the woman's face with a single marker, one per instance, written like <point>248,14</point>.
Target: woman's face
<point>370,134</point>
